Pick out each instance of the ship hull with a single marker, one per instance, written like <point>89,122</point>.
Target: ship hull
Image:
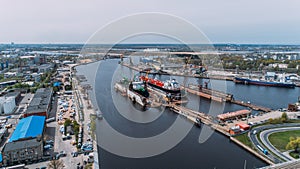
<point>263,83</point>
<point>164,89</point>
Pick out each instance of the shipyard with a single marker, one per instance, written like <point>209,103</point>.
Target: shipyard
<point>150,84</point>
<point>157,82</point>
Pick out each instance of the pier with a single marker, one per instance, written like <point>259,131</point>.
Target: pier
<point>194,115</point>
<point>171,73</point>
<point>208,93</point>
<point>159,99</point>
<point>221,97</point>
<point>252,106</point>
<point>208,120</point>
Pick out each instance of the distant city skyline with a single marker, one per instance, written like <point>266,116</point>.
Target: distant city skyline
<point>230,21</point>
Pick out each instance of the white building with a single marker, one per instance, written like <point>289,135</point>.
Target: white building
<point>7,105</point>
<point>280,65</point>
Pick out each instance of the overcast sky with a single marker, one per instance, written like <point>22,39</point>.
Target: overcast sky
<point>222,21</point>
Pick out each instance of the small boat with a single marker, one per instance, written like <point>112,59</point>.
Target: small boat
<point>198,122</point>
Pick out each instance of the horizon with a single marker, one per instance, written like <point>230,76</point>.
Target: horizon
<point>232,21</point>
<point>221,43</point>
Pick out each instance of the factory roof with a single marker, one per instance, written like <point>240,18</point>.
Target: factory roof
<point>29,127</point>
<point>40,101</point>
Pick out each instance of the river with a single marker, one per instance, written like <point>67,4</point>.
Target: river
<point>218,152</point>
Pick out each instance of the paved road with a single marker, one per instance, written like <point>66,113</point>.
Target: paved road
<point>264,135</point>
<point>255,140</point>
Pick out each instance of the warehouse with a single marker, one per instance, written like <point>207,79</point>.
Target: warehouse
<point>26,142</point>
<point>7,105</point>
<point>41,103</point>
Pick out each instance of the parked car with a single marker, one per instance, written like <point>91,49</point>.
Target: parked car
<point>48,146</point>
<point>63,153</point>
<point>49,142</point>
<point>60,154</point>
<point>74,154</point>
<point>8,126</point>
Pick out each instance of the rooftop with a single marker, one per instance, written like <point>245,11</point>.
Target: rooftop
<point>29,127</point>
<point>11,146</point>
<point>14,94</point>
<point>40,101</point>
<point>233,114</point>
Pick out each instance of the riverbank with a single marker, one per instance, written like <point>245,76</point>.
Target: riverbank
<point>86,118</point>
<point>111,160</point>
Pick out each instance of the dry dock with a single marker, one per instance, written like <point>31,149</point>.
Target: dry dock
<point>208,93</point>
<point>221,97</point>
<point>252,106</point>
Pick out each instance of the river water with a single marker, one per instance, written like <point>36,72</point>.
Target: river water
<point>216,152</point>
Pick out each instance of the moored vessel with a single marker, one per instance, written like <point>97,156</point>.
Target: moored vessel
<point>263,82</point>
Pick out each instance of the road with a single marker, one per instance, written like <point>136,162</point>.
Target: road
<point>264,135</point>
<point>255,141</point>
<point>86,112</point>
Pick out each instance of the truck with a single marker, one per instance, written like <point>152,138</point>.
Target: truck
<point>262,149</point>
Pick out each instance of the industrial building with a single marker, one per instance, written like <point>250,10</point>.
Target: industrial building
<point>7,104</point>
<point>3,133</point>
<point>45,68</point>
<point>234,115</point>
<point>15,94</point>
<point>26,142</point>
<point>40,103</point>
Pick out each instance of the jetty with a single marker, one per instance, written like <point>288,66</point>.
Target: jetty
<point>220,97</point>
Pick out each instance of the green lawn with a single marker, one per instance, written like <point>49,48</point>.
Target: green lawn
<point>294,155</point>
<point>280,139</point>
<point>245,139</point>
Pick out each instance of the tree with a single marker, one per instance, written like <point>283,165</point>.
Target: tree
<point>56,164</point>
<point>293,144</point>
<point>55,89</point>
<point>284,117</point>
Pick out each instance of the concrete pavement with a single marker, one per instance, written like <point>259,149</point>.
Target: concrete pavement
<point>264,135</point>
<point>255,141</point>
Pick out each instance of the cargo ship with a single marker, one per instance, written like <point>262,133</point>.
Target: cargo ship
<point>263,82</point>
<point>138,93</point>
<point>168,86</point>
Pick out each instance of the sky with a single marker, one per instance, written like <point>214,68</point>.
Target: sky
<point>222,21</point>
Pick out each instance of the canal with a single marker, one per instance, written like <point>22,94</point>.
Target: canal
<point>216,152</point>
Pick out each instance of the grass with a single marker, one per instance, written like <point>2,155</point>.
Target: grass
<point>93,126</point>
<point>89,166</point>
<point>269,151</point>
<point>245,140</point>
<point>281,139</point>
<point>294,155</point>
<point>294,121</point>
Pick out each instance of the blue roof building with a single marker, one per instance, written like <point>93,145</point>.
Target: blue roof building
<point>29,127</point>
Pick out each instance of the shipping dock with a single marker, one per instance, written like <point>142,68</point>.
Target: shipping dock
<point>160,98</point>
